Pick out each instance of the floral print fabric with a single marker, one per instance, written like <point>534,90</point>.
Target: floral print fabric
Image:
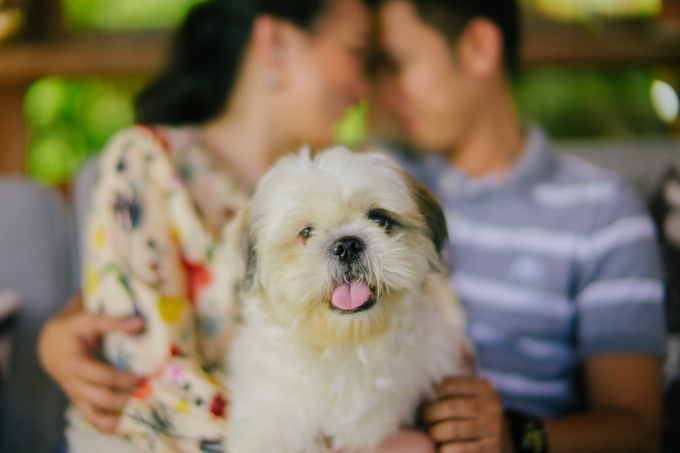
<point>153,249</point>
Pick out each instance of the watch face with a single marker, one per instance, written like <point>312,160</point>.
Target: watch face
<point>527,433</point>
<point>534,438</point>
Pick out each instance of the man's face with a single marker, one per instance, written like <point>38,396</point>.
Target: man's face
<point>431,93</point>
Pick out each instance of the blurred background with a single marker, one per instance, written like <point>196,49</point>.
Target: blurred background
<point>593,70</point>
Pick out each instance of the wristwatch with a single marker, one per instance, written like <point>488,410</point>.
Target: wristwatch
<point>527,432</point>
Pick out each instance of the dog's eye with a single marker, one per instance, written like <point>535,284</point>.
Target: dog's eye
<point>306,233</point>
<point>382,220</point>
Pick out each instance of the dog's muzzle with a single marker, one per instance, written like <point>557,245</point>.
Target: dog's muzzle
<point>348,249</point>
<point>352,295</point>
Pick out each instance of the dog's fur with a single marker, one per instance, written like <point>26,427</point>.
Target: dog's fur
<point>304,375</point>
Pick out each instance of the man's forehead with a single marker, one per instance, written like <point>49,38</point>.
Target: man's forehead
<point>350,15</point>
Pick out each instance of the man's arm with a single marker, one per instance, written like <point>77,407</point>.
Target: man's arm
<point>624,413</point>
<point>624,408</point>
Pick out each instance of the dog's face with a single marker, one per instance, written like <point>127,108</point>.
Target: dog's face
<point>337,241</point>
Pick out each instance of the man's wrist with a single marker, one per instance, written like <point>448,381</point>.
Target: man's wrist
<point>527,433</point>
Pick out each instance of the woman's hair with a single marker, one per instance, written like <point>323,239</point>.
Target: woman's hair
<point>206,57</point>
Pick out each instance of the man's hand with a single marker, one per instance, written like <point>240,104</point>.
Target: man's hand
<point>467,417</point>
<point>67,348</point>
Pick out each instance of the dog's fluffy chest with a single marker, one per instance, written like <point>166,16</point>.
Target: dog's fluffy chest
<point>354,395</point>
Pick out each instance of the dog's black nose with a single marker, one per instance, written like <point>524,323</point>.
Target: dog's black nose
<point>348,248</point>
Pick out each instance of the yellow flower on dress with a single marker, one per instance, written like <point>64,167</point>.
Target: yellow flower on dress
<point>91,280</point>
<point>171,309</point>
<point>99,238</point>
<point>213,380</point>
<point>182,407</point>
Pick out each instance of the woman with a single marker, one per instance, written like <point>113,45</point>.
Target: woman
<point>247,82</point>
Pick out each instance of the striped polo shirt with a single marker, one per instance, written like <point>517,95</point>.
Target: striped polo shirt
<point>555,261</point>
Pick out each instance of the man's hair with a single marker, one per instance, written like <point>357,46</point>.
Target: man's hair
<point>451,17</point>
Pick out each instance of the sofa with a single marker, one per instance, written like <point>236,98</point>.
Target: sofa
<point>36,262</point>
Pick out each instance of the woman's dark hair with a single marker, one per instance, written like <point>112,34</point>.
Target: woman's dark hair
<point>206,57</point>
<point>451,17</point>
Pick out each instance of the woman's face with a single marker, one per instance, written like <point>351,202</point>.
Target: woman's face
<point>326,73</point>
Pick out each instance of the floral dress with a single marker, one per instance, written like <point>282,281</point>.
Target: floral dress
<point>153,249</point>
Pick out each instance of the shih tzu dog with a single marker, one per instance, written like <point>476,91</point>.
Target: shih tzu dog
<point>348,321</point>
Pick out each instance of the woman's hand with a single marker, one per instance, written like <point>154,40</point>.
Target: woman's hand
<point>67,348</point>
<point>467,417</point>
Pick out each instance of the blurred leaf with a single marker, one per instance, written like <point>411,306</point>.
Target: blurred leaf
<point>583,10</point>
<point>104,113</point>
<point>106,15</point>
<point>71,119</point>
<point>352,129</point>
<point>587,103</point>
<point>44,101</point>
<point>49,159</point>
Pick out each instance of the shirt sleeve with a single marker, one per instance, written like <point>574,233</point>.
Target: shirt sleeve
<point>135,266</point>
<point>620,292</point>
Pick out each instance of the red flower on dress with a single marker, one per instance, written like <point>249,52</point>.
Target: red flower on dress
<point>218,406</point>
<point>198,278</point>
<point>143,391</point>
<point>159,136</point>
<point>175,351</point>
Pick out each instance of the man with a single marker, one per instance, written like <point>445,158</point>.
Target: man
<point>554,259</point>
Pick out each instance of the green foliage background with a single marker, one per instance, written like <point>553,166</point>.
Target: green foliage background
<point>70,119</point>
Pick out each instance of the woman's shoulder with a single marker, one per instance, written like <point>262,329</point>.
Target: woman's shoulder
<point>138,147</point>
<point>136,139</point>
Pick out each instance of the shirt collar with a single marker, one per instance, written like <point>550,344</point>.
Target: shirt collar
<point>533,165</point>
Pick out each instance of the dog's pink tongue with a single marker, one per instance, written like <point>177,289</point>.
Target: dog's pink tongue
<point>350,296</point>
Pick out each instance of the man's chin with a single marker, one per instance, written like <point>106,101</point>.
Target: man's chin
<point>427,143</point>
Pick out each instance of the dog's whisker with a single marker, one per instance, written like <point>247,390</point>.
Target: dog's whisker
<point>374,270</point>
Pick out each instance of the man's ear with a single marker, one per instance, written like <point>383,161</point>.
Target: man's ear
<point>480,47</point>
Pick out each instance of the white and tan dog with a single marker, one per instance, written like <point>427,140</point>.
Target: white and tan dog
<point>348,324</point>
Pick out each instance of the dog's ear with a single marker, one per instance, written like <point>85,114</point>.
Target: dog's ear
<point>248,247</point>
<point>239,246</point>
<point>431,211</point>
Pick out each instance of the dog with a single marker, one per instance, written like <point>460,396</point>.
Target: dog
<point>349,321</point>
